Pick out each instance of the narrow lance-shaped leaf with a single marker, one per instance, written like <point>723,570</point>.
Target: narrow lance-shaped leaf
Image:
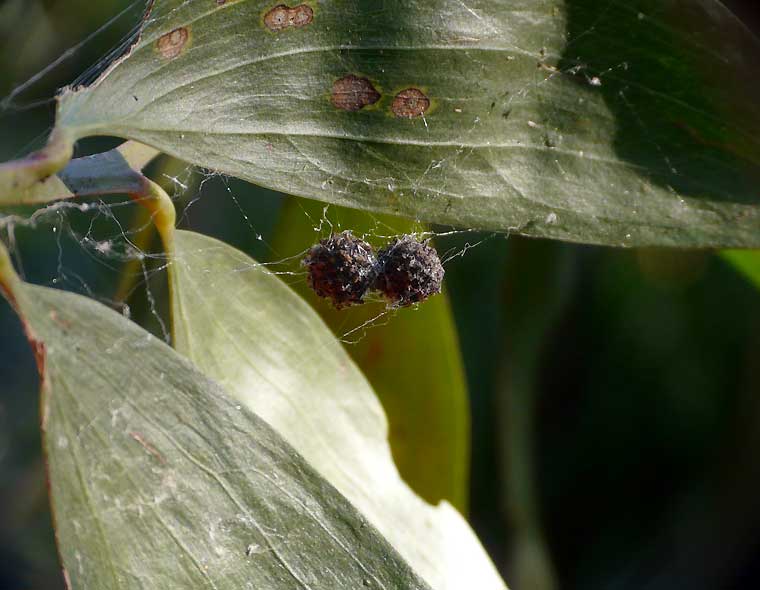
<point>159,480</point>
<point>628,124</point>
<point>243,326</point>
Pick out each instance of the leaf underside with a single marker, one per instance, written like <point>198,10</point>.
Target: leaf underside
<point>159,480</point>
<point>243,326</point>
<point>630,124</point>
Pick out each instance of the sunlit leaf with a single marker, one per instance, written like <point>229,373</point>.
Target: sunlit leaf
<point>410,356</point>
<point>747,262</point>
<point>159,480</point>
<point>627,124</point>
<point>245,327</point>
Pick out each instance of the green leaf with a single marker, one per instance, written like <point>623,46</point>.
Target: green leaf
<point>411,357</point>
<point>628,125</point>
<point>159,480</point>
<point>746,262</point>
<point>243,326</point>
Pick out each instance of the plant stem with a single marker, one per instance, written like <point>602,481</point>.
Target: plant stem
<point>8,276</point>
<point>162,210</point>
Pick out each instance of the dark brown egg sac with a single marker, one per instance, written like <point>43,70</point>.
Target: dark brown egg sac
<point>341,268</point>
<point>409,271</point>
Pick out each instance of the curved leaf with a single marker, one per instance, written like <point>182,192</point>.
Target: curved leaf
<point>114,171</point>
<point>158,480</point>
<point>411,358</point>
<point>243,326</point>
<point>626,125</point>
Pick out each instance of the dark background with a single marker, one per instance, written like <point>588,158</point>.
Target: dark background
<point>643,367</point>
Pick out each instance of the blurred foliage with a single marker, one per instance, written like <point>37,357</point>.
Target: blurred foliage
<point>746,261</point>
<point>645,392</point>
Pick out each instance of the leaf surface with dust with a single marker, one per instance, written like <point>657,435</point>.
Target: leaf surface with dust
<point>628,123</point>
<point>243,326</point>
<point>410,356</point>
<point>159,480</point>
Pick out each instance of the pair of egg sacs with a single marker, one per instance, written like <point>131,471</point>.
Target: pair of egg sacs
<point>344,268</point>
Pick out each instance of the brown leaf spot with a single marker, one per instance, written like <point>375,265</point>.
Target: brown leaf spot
<point>283,17</point>
<point>172,44</point>
<point>410,103</point>
<point>352,93</point>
